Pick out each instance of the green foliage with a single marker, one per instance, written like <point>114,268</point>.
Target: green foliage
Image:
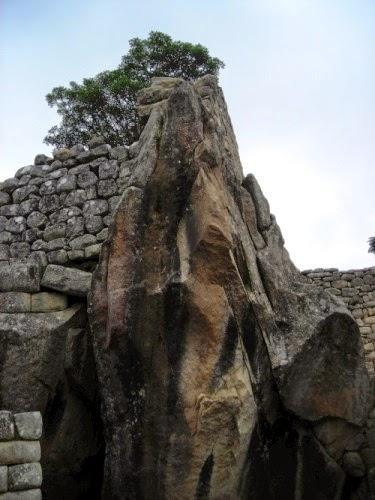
<point>371,242</point>
<point>106,103</point>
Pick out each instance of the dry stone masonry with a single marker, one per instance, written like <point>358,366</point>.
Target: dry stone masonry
<point>150,312</point>
<point>58,210</point>
<point>356,288</point>
<point>20,453</point>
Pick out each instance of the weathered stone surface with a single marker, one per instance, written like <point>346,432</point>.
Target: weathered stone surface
<point>19,277</point>
<point>6,426</point>
<point>41,159</point>
<point>25,476</point>
<point>92,251</point>
<point>66,183</point>
<point>67,280</point>
<point>34,494</point>
<point>93,224</point>
<point>15,302</point>
<point>29,425</point>
<point>48,301</point>
<point>210,346</point>
<point>82,241</point>
<point>95,207</point>
<point>4,198</point>
<point>3,478</point>
<point>19,452</point>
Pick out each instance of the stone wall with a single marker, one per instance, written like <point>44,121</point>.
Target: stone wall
<point>58,210</point>
<point>20,469</point>
<point>356,288</point>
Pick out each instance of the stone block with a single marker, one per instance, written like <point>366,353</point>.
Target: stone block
<point>94,224</point>
<point>82,242</point>
<point>24,476</point>
<point>48,187</point>
<point>101,150</point>
<point>15,302</point>
<point>23,192</point>
<point>54,232</point>
<point>76,198</point>
<point>35,494</point>
<point>36,220</point>
<point>108,169</point>
<point>58,257</point>
<point>41,159</point>
<point>93,251</point>
<point>340,284</point>
<point>76,255</point>
<point>66,183</point>
<point>91,193</point>
<point>3,478</point>
<point>4,251</point>
<point>370,320</point>
<point>19,452</point>
<point>86,179</point>
<point>4,198</point>
<point>67,280</point>
<point>10,210</point>
<point>9,185</point>
<point>48,301</point>
<point>95,207</point>
<point>119,153</point>
<point>49,203</point>
<point>6,426</point>
<point>19,277</point>
<point>20,250</point>
<point>29,425</point>
<point>16,225</point>
<point>57,174</point>
<point>107,188</point>
<point>75,226</point>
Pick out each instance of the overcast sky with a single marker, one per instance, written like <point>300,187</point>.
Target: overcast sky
<point>299,82</point>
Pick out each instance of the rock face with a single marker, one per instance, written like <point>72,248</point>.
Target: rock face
<point>222,372</point>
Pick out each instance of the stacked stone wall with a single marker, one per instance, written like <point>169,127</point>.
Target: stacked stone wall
<point>356,288</point>
<point>20,469</point>
<point>57,211</point>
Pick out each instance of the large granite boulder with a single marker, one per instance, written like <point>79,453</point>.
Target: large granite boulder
<point>222,372</point>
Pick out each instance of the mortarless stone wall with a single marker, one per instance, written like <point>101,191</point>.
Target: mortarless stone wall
<point>356,288</point>
<point>20,470</point>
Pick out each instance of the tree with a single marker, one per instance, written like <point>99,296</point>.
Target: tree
<point>106,103</point>
<point>371,242</point>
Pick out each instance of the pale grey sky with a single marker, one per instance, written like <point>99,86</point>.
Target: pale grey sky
<point>299,82</point>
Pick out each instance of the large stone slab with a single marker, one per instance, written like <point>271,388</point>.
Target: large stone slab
<point>19,277</point>
<point>67,280</point>
<point>19,452</point>
<point>48,301</point>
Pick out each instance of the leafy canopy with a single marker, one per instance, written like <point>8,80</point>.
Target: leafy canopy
<point>106,103</point>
